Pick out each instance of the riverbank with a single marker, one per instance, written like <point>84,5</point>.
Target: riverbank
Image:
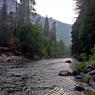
<point>12,59</point>
<point>84,76</point>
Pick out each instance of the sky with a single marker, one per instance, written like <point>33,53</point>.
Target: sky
<point>62,10</point>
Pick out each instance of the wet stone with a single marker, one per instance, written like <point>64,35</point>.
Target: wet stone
<point>65,73</point>
<point>79,88</point>
<point>68,61</point>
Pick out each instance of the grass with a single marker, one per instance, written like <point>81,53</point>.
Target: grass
<point>87,78</point>
<point>79,66</point>
<point>93,93</point>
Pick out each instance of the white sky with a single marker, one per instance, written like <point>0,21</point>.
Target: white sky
<point>62,10</point>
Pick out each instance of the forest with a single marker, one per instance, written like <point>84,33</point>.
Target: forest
<point>83,30</point>
<point>27,37</point>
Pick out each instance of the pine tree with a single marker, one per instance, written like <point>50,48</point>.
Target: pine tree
<point>53,31</point>
<point>46,28</point>
<point>4,32</point>
<point>26,7</point>
<point>83,31</point>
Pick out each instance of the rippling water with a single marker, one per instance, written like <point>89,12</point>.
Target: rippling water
<point>37,78</point>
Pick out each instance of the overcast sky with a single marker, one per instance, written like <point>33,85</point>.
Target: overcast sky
<point>62,10</point>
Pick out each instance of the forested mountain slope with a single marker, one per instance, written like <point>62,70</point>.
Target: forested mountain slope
<point>63,30</point>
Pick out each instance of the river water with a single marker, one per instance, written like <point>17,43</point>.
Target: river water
<point>36,78</point>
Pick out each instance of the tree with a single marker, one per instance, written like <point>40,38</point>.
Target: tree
<point>85,33</point>
<point>4,28</point>
<point>26,7</point>
<point>30,39</point>
<point>46,28</point>
<point>53,31</point>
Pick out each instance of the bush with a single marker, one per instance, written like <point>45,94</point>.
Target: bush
<point>83,57</point>
<point>90,62</point>
<point>30,39</point>
<point>87,78</point>
<point>80,66</point>
<point>93,93</point>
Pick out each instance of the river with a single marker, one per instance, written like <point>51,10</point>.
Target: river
<point>36,78</point>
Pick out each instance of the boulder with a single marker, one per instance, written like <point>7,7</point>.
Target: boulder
<point>92,72</point>
<point>85,71</point>
<point>75,73</point>
<point>79,88</point>
<point>79,78</point>
<point>68,61</point>
<point>0,70</point>
<point>16,75</point>
<point>92,82</point>
<point>65,73</point>
<point>90,67</point>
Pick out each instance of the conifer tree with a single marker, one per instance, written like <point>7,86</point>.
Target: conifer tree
<point>46,28</point>
<point>4,35</point>
<point>53,31</point>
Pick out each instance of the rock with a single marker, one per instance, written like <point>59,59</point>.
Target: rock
<point>92,82</point>
<point>65,73</point>
<point>92,72</point>
<point>68,61</point>
<point>85,71</point>
<point>75,73</point>
<point>13,59</point>
<point>79,77</point>
<point>79,88</point>
<point>0,70</point>
<point>90,67</point>
<point>16,75</point>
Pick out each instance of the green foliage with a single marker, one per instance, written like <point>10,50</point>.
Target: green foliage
<point>32,42</point>
<point>83,31</point>
<point>80,66</point>
<point>87,78</point>
<point>52,49</point>
<point>46,28</point>
<point>93,93</point>
<point>30,39</point>
<point>83,57</point>
<point>5,33</point>
<point>53,31</point>
<point>90,62</point>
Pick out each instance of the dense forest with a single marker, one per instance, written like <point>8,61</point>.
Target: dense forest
<point>83,30</point>
<point>27,37</point>
<point>83,42</point>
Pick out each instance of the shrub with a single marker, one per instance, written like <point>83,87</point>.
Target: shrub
<point>93,93</point>
<point>87,78</point>
<point>80,66</point>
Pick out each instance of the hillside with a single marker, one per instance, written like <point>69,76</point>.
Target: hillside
<point>63,29</point>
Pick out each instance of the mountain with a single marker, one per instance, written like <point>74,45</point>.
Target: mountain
<point>11,5</point>
<point>63,30</point>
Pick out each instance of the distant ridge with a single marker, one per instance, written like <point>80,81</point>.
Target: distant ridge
<point>63,29</point>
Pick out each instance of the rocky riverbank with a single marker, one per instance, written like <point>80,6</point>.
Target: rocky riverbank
<point>12,59</point>
<point>85,76</point>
